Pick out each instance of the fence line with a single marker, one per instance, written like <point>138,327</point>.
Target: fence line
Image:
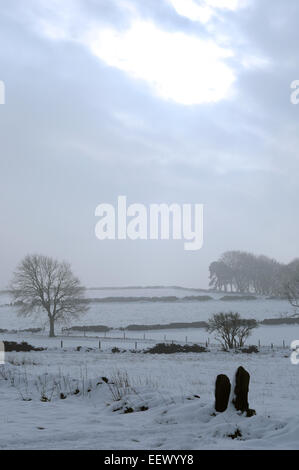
<point>138,340</point>
<point>283,344</point>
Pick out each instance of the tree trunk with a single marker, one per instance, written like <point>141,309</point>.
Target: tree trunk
<point>51,333</point>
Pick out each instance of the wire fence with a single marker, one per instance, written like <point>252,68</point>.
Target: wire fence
<point>132,339</point>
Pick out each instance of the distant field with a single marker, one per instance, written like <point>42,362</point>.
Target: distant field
<point>143,312</point>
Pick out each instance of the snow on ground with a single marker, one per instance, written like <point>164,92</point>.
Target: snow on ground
<point>164,386</point>
<point>33,414</point>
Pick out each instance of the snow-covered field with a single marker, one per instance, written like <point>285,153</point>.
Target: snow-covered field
<point>165,387</point>
<point>161,392</point>
<point>121,314</point>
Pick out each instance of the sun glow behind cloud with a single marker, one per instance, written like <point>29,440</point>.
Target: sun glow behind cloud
<point>177,66</point>
<point>203,10</point>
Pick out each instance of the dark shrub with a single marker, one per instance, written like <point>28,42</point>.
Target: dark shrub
<point>163,348</point>
<point>115,350</point>
<point>251,349</point>
<point>20,347</point>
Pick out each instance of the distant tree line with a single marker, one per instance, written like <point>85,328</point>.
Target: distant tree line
<point>239,271</point>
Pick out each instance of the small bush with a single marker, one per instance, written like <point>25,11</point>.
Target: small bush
<point>251,349</point>
<point>231,331</point>
<point>20,347</point>
<point>163,348</point>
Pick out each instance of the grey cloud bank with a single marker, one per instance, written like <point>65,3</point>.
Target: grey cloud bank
<point>75,131</point>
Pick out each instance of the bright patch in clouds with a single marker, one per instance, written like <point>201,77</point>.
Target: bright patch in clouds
<point>192,10</point>
<point>203,10</point>
<point>177,66</point>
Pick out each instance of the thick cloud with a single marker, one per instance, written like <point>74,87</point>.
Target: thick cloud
<point>76,132</point>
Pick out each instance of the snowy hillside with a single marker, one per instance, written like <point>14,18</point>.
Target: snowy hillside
<point>167,389</point>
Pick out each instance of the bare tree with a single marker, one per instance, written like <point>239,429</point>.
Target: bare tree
<point>42,283</point>
<point>292,293</point>
<point>291,285</point>
<point>231,330</point>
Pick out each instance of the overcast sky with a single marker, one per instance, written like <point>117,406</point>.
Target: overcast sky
<point>163,101</point>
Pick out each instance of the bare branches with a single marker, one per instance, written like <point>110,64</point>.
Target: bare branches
<point>231,330</point>
<point>40,282</point>
<point>292,293</point>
